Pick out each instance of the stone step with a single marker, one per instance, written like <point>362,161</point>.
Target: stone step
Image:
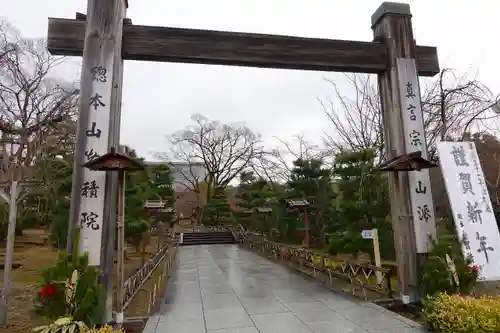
<point>205,238</point>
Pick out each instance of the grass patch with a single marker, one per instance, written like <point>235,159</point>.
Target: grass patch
<point>34,253</point>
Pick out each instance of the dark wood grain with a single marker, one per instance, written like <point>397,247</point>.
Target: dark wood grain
<point>83,17</point>
<point>65,37</point>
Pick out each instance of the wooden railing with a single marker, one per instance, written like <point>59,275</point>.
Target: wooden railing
<point>323,267</point>
<point>135,282</point>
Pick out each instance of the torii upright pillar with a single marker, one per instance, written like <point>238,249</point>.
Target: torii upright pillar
<point>412,209</point>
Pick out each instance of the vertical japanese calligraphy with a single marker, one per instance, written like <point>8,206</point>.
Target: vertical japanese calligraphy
<point>485,197</point>
<point>414,134</point>
<point>97,105</point>
<point>471,205</point>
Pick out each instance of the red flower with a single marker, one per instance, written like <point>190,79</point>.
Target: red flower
<point>48,290</point>
<point>475,268</point>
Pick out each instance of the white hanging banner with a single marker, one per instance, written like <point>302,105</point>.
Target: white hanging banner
<point>422,205</point>
<point>471,206</point>
<point>94,182</point>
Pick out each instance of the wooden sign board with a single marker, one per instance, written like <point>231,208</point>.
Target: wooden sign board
<point>367,234</point>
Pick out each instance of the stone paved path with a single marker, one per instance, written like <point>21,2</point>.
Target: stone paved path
<point>225,289</point>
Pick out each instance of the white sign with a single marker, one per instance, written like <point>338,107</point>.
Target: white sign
<point>471,206</point>
<point>94,182</point>
<point>373,234</point>
<point>413,128</point>
<point>367,234</point>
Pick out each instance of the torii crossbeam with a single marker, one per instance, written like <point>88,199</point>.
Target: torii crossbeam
<point>166,44</point>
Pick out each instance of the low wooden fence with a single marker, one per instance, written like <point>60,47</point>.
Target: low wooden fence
<point>135,282</point>
<point>160,284</point>
<point>325,268</point>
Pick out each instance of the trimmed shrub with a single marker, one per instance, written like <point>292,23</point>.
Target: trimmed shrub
<point>104,329</point>
<point>446,313</point>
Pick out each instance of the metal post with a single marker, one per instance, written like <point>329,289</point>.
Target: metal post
<point>121,247</point>
<point>11,232</point>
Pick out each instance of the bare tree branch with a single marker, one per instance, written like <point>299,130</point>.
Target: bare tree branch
<point>455,105</point>
<point>224,149</point>
<point>452,106</point>
<point>275,165</point>
<point>356,120</point>
<point>32,104</point>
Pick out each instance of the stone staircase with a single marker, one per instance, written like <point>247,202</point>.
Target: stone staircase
<point>205,238</point>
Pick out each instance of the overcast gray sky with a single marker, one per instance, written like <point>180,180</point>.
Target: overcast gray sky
<point>159,98</point>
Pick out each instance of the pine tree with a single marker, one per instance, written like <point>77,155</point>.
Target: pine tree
<point>254,193</point>
<point>364,203</point>
<point>311,180</point>
<point>217,211</point>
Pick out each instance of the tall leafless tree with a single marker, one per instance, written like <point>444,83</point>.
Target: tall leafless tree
<point>453,105</point>
<point>275,164</point>
<point>32,103</point>
<point>356,118</point>
<point>223,149</point>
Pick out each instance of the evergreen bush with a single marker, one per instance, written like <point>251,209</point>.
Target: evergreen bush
<point>70,288</point>
<point>436,275</point>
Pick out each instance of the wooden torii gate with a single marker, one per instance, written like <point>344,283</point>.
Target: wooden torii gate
<point>104,37</point>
